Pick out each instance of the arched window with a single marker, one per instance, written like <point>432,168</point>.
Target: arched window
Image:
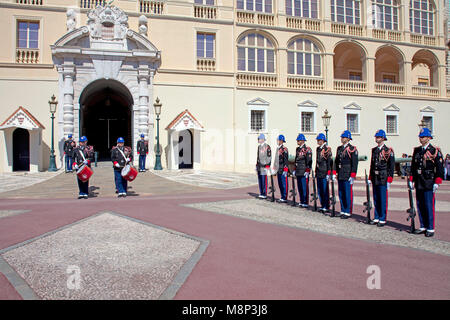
<point>304,58</point>
<point>256,53</point>
<point>255,5</point>
<point>302,8</point>
<point>346,11</point>
<point>421,16</point>
<point>385,14</point>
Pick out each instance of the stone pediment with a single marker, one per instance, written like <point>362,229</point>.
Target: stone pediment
<point>308,103</point>
<point>185,120</point>
<point>427,109</point>
<point>21,118</point>
<point>258,101</point>
<point>392,107</point>
<point>353,106</point>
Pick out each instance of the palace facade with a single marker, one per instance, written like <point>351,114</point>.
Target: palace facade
<point>224,71</point>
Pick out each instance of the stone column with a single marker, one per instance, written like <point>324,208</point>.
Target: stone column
<point>407,76</point>
<point>369,75</point>
<point>68,116</point>
<point>328,71</point>
<point>143,109</point>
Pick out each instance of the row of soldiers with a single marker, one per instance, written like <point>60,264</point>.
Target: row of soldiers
<point>426,174</point>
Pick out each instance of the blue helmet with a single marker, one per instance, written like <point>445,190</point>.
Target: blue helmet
<point>346,134</point>
<point>301,137</point>
<point>380,133</point>
<point>425,132</point>
<point>83,139</point>
<point>142,135</point>
<point>262,136</point>
<point>120,140</point>
<point>69,136</point>
<point>281,138</point>
<point>321,136</point>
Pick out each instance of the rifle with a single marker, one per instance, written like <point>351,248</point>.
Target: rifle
<point>333,194</point>
<point>412,209</point>
<point>368,203</point>
<point>271,188</point>
<point>314,194</point>
<point>293,189</point>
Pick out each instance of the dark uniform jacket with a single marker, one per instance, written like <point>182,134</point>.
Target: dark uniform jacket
<point>427,167</point>
<point>69,147</point>
<point>264,156</point>
<point>346,162</point>
<point>88,153</point>
<point>303,160</point>
<point>117,157</point>
<point>142,147</point>
<point>283,159</point>
<point>324,161</point>
<point>382,165</point>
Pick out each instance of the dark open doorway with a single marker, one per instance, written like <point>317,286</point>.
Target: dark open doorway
<point>185,149</point>
<point>105,115</point>
<point>21,150</point>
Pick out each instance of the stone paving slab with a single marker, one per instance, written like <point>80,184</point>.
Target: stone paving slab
<point>400,204</point>
<point>10,213</point>
<point>10,181</point>
<point>116,257</point>
<point>269,212</point>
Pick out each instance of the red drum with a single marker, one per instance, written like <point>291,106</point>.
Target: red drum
<point>129,172</point>
<point>84,173</point>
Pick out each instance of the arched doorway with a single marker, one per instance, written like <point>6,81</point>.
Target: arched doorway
<point>105,115</point>
<point>21,150</point>
<point>185,149</point>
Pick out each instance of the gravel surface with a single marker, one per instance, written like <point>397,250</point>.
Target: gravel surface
<point>266,211</point>
<point>117,258</point>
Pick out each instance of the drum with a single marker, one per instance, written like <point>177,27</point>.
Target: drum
<point>84,173</point>
<point>129,172</point>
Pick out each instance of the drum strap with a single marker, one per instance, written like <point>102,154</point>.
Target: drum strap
<point>122,154</point>
<point>82,154</point>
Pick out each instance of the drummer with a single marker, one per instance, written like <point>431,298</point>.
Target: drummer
<point>120,159</point>
<point>82,155</point>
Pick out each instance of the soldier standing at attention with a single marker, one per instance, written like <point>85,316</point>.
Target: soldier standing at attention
<point>69,145</point>
<point>303,163</point>
<point>381,174</point>
<point>142,151</point>
<point>263,160</point>
<point>346,168</point>
<point>427,172</point>
<point>324,163</point>
<point>282,173</point>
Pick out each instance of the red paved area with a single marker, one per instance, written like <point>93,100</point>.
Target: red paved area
<point>7,291</point>
<point>252,260</point>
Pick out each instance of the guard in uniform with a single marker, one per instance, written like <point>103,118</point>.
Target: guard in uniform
<point>263,160</point>
<point>346,168</point>
<point>120,158</point>
<point>282,172</point>
<point>82,154</point>
<point>69,145</point>
<point>303,163</point>
<point>381,174</point>
<point>324,163</point>
<point>142,151</point>
<point>427,172</point>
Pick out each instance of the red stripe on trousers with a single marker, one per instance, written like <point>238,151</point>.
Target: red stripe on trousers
<point>434,216</point>
<point>266,183</point>
<point>351,199</point>
<point>287,188</point>
<point>387,197</point>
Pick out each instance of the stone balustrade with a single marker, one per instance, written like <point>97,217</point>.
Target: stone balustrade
<point>151,6</point>
<point>206,64</point>
<point>27,55</point>
<point>256,80</point>
<point>205,12</point>
<point>90,4</point>
<point>303,24</point>
<point>342,85</point>
<point>389,88</point>
<point>425,91</point>
<point>305,83</point>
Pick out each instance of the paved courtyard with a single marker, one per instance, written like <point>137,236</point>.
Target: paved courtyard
<point>204,235</point>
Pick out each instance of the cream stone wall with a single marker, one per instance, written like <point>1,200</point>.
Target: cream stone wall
<point>217,99</point>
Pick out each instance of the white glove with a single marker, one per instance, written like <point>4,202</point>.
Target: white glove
<point>306,175</point>
<point>328,177</point>
<point>411,186</point>
<point>351,180</point>
<point>76,167</point>
<point>370,182</point>
<point>334,178</point>
<point>388,185</point>
<point>117,165</point>
<point>435,187</point>
<point>85,162</point>
<point>293,173</point>
<point>284,173</point>
<point>128,159</point>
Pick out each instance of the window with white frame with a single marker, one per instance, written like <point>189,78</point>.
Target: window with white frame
<point>385,14</point>
<point>257,120</point>
<point>428,120</point>
<point>255,5</point>
<point>256,53</point>
<point>346,11</point>
<point>353,122</point>
<point>307,121</point>
<point>391,124</point>
<point>421,16</point>
<point>27,34</point>
<point>302,8</point>
<point>304,58</point>
<point>205,45</point>
<point>205,2</point>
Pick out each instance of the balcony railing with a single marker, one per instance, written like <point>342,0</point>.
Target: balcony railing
<point>392,35</point>
<point>28,56</point>
<point>389,88</point>
<point>151,6</point>
<point>425,91</point>
<point>305,83</point>
<point>423,39</point>
<point>350,29</point>
<point>205,64</point>
<point>349,85</point>
<point>256,80</point>
<point>267,19</point>
<point>205,12</point>
<point>303,24</point>
<point>32,2</point>
<point>448,93</point>
<point>89,4</point>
